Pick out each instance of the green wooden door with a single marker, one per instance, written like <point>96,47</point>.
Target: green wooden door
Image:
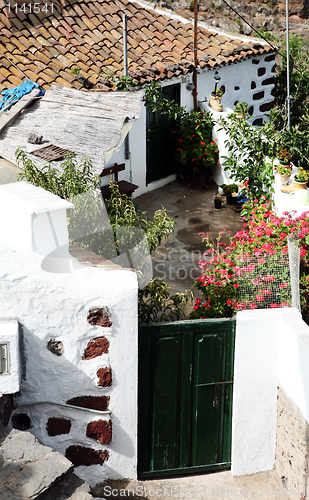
<point>185,396</point>
<point>159,147</point>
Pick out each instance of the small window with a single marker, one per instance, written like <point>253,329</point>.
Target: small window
<point>4,358</point>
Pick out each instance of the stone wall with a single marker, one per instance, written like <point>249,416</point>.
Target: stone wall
<point>291,460</point>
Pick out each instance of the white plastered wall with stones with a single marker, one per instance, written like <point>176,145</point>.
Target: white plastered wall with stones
<point>55,307</point>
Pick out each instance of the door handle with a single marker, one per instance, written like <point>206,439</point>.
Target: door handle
<point>216,401</point>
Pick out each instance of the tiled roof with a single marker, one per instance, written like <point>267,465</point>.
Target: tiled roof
<point>46,46</point>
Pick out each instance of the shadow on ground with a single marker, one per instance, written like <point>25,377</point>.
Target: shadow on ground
<point>176,259</point>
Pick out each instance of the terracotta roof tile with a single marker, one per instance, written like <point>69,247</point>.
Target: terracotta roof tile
<point>14,80</point>
<point>88,34</point>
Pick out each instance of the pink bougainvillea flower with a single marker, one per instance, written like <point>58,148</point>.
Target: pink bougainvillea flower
<point>259,297</point>
<point>273,305</point>
<point>303,252</point>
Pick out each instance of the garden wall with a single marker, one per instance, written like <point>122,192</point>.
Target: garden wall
<point>271,376</point>
<point>78,393</point>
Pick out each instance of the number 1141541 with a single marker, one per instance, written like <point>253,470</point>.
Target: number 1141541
<point>28,8</point>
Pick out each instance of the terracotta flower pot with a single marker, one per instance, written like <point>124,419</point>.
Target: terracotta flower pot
<point>298,184</point>
<point>284,179</point>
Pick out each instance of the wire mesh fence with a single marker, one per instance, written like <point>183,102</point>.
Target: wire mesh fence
<point>265,280</point>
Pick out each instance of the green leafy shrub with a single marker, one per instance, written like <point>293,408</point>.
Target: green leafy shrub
<point>248,148</point>
<point>156,304</point>
<point>195,151</point>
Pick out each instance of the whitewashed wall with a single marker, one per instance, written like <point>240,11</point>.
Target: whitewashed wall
<point>53,306</point>
<point>238,78</point>
<point>272,346</point>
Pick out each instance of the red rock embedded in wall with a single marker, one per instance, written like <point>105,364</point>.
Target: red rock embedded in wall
<point>99,316</point>
<point>80,455</point>
<point>100,430</point>
<point>105,377</point>
<point>96,347</point>
<point>93,402</point>
<point>56,426</point>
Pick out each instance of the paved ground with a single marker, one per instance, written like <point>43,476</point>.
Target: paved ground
<point>211,486</point>
<point>176,260</point>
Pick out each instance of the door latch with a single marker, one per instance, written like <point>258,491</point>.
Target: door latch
<point>215,402</point>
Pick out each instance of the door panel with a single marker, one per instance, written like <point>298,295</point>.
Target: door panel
<point>185,396</point>
<point>159,139</point>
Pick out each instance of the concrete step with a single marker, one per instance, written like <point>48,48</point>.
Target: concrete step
<point>28,470</point>
<point>31,471</point>
<point>72,488</point>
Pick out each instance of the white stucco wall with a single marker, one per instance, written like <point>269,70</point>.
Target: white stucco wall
<point>272,346</point>
<point>34,219</point>
<point>238,78</point>
<point>55,306</point>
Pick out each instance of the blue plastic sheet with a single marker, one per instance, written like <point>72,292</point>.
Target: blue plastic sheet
<point>10,96</point>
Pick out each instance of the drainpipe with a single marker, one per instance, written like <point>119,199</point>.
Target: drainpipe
<point>288,63</point>
<point>195,55</point>
<point>125,55</point>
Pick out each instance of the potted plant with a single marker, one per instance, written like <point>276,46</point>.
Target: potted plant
<point>301,178</point>
<point>284,158</point>
<point>216,95</point>
<point>284,174</point>
<point>228,190</point>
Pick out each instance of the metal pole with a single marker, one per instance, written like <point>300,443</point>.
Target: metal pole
<point>195,55</point>
<point>125,55</point>
<point>288,63</point>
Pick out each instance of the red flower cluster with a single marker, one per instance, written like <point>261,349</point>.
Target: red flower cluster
<point>252,271</point>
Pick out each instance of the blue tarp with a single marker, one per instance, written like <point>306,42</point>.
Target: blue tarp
<point>13,95</point>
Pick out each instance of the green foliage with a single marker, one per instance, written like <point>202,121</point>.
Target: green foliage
<point>299,81</point>
<point>88,215</point>
<point>75,71</point>
<point>248,149</point>
<point>72,179</point>
<point>154,97</point>
<point>302,175</point>
<point>283,170</point>
<point>156,304</point>
<point>295,141</point>
<point>229,188</point>
<point>124,82</point>
<point>264,33</point>
<point>195,151</point>
<point>122,212</point>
